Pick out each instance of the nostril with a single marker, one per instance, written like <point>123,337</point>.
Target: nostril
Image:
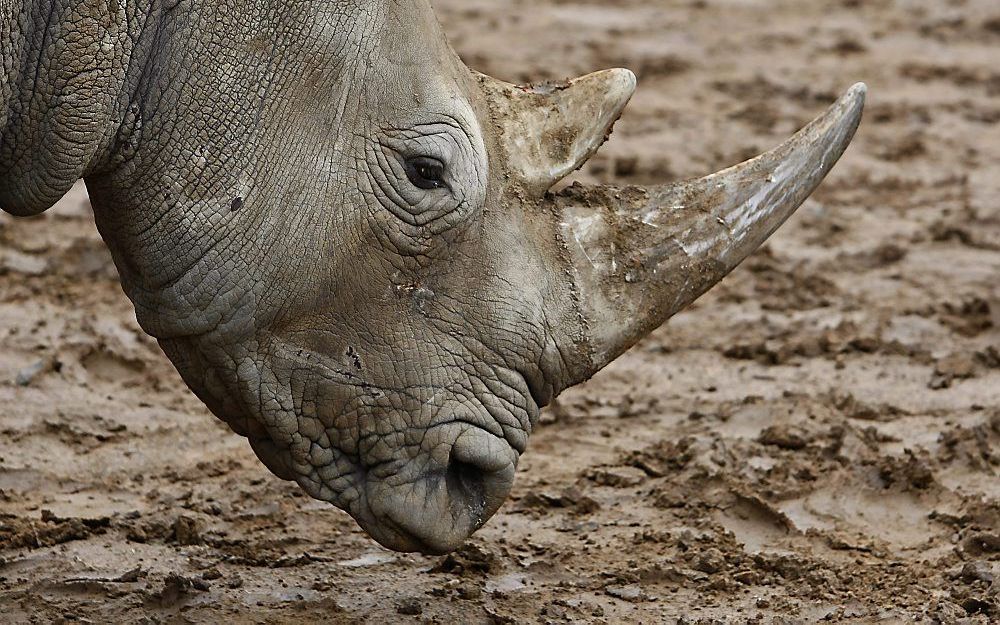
<point>468,481</point>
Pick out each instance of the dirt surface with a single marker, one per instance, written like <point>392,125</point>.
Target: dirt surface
<point>817,439</point>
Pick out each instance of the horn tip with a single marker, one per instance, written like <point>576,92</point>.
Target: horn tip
<point>626,78</point>
<point>619,83</point>
<point>857,93</point>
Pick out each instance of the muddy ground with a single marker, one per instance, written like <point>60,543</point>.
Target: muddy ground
<point>818,439</point>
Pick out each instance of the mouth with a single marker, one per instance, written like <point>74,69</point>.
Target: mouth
<point>434,509</point>
<point>539,390</point>
<point>442,485</point>
<point>392,535</point>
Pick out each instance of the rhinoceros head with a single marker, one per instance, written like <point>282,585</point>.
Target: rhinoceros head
<point>344,240</point>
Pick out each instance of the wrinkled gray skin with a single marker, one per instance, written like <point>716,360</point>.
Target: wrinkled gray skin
<point>386,346</point>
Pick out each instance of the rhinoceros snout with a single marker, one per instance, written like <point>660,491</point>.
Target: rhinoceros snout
<point>435,509</point>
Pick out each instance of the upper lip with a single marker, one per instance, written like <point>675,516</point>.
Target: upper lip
<point>410,541</point>
<point>538,388</point>
<point>479,426</point>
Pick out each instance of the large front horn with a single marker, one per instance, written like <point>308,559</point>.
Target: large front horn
<point>640,255</point>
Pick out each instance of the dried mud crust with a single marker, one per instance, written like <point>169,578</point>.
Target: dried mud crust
<point>817,439</point>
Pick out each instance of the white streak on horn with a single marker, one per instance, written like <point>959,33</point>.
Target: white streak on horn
<point>675,241</point>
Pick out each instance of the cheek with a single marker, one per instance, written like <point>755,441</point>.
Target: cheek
<point>472,171</point>
<point>403,250</point>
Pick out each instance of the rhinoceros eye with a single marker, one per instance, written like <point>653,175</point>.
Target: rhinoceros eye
<point>425,172</point>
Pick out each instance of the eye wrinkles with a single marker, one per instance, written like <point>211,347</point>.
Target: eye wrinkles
<point>428,172</point>
<point>393,190</point>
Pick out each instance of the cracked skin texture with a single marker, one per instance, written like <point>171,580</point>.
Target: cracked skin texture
<point>380,348</point>
<point>340,235</point>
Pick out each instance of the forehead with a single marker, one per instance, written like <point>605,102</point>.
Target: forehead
<point>380,65</point>
<point>412,51</point>
<point>409,73</point>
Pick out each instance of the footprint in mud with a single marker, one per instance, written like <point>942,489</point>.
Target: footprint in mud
<point>109,366</point>
<point>756,524</point>
<point>852,514</point>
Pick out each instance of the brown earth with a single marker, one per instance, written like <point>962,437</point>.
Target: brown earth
<point>818,439</point>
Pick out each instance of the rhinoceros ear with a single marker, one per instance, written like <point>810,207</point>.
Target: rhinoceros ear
<point>550,130</point>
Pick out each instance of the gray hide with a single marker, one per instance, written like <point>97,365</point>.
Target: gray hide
<point>341,236</point>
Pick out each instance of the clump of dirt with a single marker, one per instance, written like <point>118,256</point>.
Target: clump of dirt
<point>20,532</point>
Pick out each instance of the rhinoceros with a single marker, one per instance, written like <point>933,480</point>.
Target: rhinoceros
<point>347,242</point>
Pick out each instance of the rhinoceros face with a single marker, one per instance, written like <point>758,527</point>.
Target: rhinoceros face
<point>371,293</point>
<point>343,240</point>
<point>409,362</point>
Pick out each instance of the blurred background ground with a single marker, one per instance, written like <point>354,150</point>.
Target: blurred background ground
<point>816,439</point>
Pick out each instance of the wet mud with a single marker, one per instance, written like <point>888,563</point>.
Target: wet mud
<point>815,440</point>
